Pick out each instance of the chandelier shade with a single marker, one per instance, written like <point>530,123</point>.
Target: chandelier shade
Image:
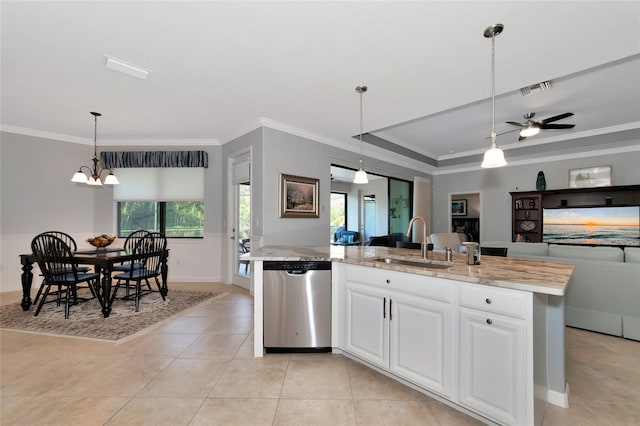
<point>93,174</point>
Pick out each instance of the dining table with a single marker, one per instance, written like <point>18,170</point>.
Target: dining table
<point>103,260</point>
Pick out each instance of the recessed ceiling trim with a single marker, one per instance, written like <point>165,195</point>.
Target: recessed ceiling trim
<point>126,68</point>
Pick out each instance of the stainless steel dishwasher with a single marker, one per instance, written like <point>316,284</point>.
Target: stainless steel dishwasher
<point>297,306</point>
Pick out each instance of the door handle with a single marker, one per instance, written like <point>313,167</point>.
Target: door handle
<point>384,307</point>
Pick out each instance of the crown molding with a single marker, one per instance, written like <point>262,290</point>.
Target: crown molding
<point>108,141</point>
<point>45,135</point>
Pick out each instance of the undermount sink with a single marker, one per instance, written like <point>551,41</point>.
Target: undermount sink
<point>427,264</point>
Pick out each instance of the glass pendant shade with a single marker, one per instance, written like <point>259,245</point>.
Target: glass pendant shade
<point>80,177</point>
<point>361,176</point>
<point>494,157</point>
<point>94,181</point>
<point>111,179</point>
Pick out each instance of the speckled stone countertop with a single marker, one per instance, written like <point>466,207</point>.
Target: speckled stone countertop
<point>536,276</point>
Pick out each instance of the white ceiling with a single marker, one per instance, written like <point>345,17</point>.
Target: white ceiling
<point>221,68</point>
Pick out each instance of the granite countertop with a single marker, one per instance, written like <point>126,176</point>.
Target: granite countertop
<point>538,276</point>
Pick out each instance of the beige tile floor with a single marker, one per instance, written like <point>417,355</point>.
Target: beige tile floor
<point>198,369</point>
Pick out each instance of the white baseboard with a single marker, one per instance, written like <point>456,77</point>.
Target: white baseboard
<point>561,399</point>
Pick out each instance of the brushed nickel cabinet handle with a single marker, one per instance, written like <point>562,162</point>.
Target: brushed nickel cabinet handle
<point>390,310</point>
<point>384,307</point>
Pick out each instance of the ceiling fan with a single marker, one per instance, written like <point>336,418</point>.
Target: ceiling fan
<point>531,128</point>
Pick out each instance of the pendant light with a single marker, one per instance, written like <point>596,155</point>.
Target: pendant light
<point>494,157</point>
<point>94,173</point>
<point>361,175</point>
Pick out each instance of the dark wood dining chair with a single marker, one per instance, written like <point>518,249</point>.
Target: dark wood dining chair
<point>129,244</point>
<point>68,239</point>
<point>152,248</point>
<point>55,259</point>
<point>493,251</point>
<point>244,247</point>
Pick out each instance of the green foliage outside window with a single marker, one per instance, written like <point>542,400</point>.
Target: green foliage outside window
<point>177,219</point>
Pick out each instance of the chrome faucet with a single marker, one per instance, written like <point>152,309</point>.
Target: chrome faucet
<point>423,245</point>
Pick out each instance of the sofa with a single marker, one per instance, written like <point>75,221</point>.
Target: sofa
<point>604,292</point>
<point>447,239</point>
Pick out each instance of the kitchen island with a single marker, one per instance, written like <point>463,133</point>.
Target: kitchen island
<point>487,339</point>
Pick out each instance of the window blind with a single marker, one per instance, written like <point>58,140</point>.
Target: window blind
<point>159,184</point>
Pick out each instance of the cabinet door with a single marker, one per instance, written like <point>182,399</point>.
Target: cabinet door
<point>367,334</point>
<point>492,365</point>
<point>420,341</point>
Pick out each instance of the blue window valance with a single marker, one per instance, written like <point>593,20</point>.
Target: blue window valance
<point>127,159</point>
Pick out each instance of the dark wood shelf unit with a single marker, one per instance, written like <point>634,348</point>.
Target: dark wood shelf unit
<point>527,206</point>
<point>526,217</point>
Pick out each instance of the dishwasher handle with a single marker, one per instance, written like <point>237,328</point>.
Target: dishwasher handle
<point>296,271</point>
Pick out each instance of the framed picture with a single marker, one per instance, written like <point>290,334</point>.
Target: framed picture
<point>458,207</point>
<point>590,177</point>
<point>298,196</point>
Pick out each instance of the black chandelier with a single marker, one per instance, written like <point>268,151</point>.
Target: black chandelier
<point>94,173</point>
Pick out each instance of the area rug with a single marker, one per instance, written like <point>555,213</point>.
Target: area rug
<point>85,319</point>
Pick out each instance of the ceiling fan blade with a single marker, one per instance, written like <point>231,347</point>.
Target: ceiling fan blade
<point>556,118</point>
<point>557,126</point>
<point>513,123</point>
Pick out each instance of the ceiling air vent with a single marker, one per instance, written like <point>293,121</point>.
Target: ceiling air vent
<point>539,87</point>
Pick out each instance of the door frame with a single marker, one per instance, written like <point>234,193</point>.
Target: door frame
<point>480,204</point>
<point>232,275</point>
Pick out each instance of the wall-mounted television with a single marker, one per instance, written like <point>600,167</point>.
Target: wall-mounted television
<point>609,226</point>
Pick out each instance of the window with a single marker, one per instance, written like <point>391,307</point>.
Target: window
<point>338,211</point>
<point>175,219</point>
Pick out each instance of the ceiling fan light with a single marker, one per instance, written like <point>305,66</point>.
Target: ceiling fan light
<point>529,131</point>
<point>494,157</point>
<point>361,177</point>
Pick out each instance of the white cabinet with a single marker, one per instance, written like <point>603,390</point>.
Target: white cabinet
<point>367,333</point>
<point>420,341</point>
<point>409,335</point>
<point>470,343</point>
<point>493,352</point>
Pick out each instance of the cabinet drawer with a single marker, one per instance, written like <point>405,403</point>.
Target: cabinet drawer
<point>421,285</point>
<point>497,300</point>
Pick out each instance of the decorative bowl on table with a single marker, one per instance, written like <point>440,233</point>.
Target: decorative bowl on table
<point>101,241</point>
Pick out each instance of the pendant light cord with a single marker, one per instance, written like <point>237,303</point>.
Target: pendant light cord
<point>493,90</point>
<point>95,136</point>
<point>361,150</point>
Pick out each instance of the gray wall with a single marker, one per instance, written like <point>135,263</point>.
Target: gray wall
<point>295,155</point>
<point>495,185</point>
<point>37,192</point>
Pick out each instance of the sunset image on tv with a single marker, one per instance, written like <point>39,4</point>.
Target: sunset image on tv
<point>619,226</point>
